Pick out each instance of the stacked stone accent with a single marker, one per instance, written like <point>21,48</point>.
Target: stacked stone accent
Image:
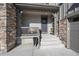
<point>7,27</point>
<point>63,31</point>
<point>3,18</point>
<point>11,26</point>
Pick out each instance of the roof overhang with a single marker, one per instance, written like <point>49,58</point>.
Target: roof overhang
<point>73,15</point>
<point>37,7</point>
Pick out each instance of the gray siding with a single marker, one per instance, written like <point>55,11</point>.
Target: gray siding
<point>74,38</point>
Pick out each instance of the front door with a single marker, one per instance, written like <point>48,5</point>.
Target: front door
<point>44,21</point>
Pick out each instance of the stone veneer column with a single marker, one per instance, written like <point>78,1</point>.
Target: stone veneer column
<point>7,27</point>
<point>63,31</point>
<point>11,26</point>
<point>3,18</point>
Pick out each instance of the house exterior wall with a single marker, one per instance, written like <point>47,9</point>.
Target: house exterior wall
<point>35,21</point>
<point>7,27</point>
<point>69,11</point>
<point>73,17</point>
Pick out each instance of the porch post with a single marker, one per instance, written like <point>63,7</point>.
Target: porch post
<point>55,24</point>
<point>18,26</point>
<point>18,14</point>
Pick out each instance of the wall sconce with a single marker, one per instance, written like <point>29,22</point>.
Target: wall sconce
<point>21,12</point>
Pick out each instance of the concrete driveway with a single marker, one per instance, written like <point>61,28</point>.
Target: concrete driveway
<point>50,46</point>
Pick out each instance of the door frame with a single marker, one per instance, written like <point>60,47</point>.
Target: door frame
<point>44,16</point>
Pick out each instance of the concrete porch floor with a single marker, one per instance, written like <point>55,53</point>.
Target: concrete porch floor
<point>50,46</point>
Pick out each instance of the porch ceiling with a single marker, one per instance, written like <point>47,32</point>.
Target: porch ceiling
<point>35,12</point>
<point>37,7</point>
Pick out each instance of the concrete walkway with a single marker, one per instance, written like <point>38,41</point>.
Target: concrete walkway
<point>50,46</point>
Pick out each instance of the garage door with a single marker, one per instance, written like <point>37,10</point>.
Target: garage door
<point>74,34</point>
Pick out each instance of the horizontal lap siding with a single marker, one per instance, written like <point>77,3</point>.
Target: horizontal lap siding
<point>74,38</point>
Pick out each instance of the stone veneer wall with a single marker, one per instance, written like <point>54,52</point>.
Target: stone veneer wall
<point>7,26</point>
<point>11,26</point>
<point>3,27</point>
<point>63,31</point>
